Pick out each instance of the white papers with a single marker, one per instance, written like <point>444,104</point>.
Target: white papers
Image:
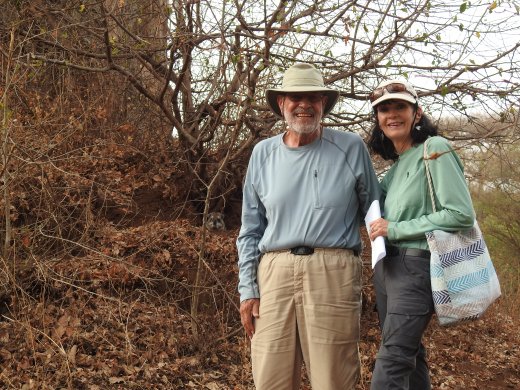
<point>378,245</point>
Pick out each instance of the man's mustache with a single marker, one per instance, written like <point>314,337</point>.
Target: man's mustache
<point>300,111</point>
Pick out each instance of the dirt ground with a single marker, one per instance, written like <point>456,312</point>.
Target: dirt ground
<point>119,319</point>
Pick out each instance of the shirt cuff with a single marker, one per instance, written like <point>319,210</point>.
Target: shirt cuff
<point>391,231</point>
<point>250,293</point>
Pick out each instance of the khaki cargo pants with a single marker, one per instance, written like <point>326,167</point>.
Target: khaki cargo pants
<point>309,309</point>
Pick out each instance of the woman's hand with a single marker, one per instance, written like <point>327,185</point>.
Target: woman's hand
<point>379,227</point>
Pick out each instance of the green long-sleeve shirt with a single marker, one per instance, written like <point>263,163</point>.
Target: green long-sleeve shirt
<point>407,202</point>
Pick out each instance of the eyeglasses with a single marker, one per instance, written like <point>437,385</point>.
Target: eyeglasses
<point>311,97</point>
<point>390,88</point>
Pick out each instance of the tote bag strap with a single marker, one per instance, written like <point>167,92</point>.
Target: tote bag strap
<point>428,174</point>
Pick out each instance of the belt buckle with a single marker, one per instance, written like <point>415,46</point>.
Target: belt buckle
<point>302,250</point>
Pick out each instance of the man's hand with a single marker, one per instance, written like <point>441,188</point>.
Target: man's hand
<point>248,311</point>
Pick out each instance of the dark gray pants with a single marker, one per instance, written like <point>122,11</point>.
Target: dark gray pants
<point>405,306</point>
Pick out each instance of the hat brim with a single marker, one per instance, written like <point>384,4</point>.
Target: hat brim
<point>395,96</point>
<point>271,96</point>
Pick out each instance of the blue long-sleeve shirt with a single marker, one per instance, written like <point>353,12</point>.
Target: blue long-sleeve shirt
<point>314,195</point>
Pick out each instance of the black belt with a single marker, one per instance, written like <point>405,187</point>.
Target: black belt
<point>307,250</point>
<point>396,251</point>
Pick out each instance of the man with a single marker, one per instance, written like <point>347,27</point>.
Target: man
<point>305,193</point>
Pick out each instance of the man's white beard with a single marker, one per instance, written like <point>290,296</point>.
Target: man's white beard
<point>302,127</point>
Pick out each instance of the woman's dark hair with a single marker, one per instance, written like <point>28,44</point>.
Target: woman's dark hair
<point>381,145</point>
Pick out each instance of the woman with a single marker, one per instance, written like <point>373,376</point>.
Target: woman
<point>402,278</point>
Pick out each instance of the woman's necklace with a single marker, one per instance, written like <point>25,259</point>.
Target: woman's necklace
<point>404,148</point>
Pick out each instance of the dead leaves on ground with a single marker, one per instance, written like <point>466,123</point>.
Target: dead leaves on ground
<point>118,318</point>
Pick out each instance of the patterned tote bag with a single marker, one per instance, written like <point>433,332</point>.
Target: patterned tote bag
<point>464,281</point>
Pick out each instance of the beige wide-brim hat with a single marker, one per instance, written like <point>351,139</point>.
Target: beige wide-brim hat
<point>405,95</point>
<point>301,78</point>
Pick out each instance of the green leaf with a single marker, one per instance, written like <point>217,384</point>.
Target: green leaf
<point>461,27</point>
<point>82,8</point>
<point>463,7</point>
<point>477,34</point>
<point>472,61</point>
<point>444,90</point>
<point>422,38</point>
